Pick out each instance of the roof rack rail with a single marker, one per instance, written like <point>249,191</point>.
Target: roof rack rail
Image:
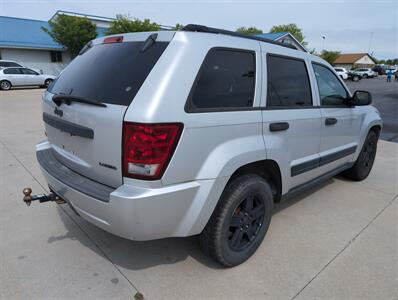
<point>202,28</point>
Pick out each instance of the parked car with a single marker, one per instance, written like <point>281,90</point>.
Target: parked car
<point>353,76</point>
<point>11,63</point>
<point>342,72</point>
<point>170,134</point>
<point>20,76</point>
<point>365,72</point>
<point>379,70</point>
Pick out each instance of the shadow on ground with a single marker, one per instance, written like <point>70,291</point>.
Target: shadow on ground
<point>134,255</point>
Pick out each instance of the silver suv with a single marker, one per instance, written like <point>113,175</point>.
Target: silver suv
<point>199,132</point>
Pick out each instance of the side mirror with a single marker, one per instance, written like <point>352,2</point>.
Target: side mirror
<point>361,98</point>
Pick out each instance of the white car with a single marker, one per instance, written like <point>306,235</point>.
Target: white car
<point>365,72</point>
<point>342,72</point>
<point>21,76</point>
<point>11,63</point>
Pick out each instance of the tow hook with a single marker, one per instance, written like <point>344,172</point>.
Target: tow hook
<point>28,198</point>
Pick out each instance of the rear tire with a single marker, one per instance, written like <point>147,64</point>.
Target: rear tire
<point>355,78</point>
<point>47,82</point>
<point>365,76</point>
<point>239,222</point>
<point>5,85</point>
<point>363,165</point>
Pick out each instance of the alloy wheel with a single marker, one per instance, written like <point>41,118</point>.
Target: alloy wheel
<point>5,85</point>
<point>246,221</point>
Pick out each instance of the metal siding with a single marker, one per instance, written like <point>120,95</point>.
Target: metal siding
<point>36,59</point>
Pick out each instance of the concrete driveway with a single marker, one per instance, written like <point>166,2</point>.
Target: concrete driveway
<point>336,242</point>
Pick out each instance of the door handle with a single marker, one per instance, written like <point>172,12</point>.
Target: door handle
<point>281,126</point>
<point>330,121</point>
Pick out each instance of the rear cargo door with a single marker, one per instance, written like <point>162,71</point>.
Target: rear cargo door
<point>83,109</point>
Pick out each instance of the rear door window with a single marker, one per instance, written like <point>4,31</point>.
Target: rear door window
<point>29,72</point>
<point>225,81</point>
<point>112,73</point>
<point>288,84</point>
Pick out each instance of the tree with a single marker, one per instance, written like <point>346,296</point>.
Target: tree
<point>293,29</point>
<point>71,32</point>
<point>178,27</point>
<point>249,30</point>
<point>124,24</point>
<point>330,56</point>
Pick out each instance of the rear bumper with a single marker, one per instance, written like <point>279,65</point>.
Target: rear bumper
<point>133,212</point>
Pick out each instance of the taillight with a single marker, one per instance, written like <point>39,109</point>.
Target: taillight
<point>113,39</point>
<point>148,148</point>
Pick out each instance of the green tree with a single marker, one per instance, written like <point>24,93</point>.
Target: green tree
<point>330,56</point>
<point>71,32</point>
<point>124,24</point>
<point>178,27</point>
<point>293,29</point>
<point>249,30</point>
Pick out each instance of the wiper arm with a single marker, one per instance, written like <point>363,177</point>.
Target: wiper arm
<point>68,99</point>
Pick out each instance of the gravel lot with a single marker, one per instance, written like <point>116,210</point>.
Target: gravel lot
<point>339,241</point>
<point>385,98</point>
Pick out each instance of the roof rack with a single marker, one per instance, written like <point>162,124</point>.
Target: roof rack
<point>202,28</point>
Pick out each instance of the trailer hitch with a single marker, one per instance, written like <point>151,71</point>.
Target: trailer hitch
<point>28,198</point>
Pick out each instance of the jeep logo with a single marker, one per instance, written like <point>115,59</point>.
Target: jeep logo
<point>58,112</point>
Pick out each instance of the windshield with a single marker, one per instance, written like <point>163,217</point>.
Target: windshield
<point>111,73</point>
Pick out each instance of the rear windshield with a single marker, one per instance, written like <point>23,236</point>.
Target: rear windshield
<point>111,73</point>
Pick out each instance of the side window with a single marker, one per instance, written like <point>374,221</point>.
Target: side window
<point>331,91</point>
<point>28,72</point>
<point>12,71</point>
<point>226,80</point>
<point>288,84</point>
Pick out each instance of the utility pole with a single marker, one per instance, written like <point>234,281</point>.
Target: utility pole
<point>370,41</point>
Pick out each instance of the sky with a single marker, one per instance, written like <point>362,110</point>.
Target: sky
<point>347,25</point>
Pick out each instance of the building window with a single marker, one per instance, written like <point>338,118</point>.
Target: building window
<point>56,56</point>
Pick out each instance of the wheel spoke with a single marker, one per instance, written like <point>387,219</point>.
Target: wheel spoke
<point>249,204</point>
<point>251,232</point>
<point>236,238</point>
<point>257,212</point>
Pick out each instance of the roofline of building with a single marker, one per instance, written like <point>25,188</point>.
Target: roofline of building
<point>32,47</point>
<point>98,18</point>
<point>42,21</point>
<point>364,53</point>
<point>292,36</point>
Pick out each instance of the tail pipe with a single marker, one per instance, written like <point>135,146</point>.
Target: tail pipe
<point>28,198</point>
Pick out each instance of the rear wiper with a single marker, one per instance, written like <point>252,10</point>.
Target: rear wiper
<point>68,99</point>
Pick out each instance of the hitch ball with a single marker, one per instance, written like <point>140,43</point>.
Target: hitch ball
<point>27,198</point>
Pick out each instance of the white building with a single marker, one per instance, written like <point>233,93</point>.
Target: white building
<point>24,41</point>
